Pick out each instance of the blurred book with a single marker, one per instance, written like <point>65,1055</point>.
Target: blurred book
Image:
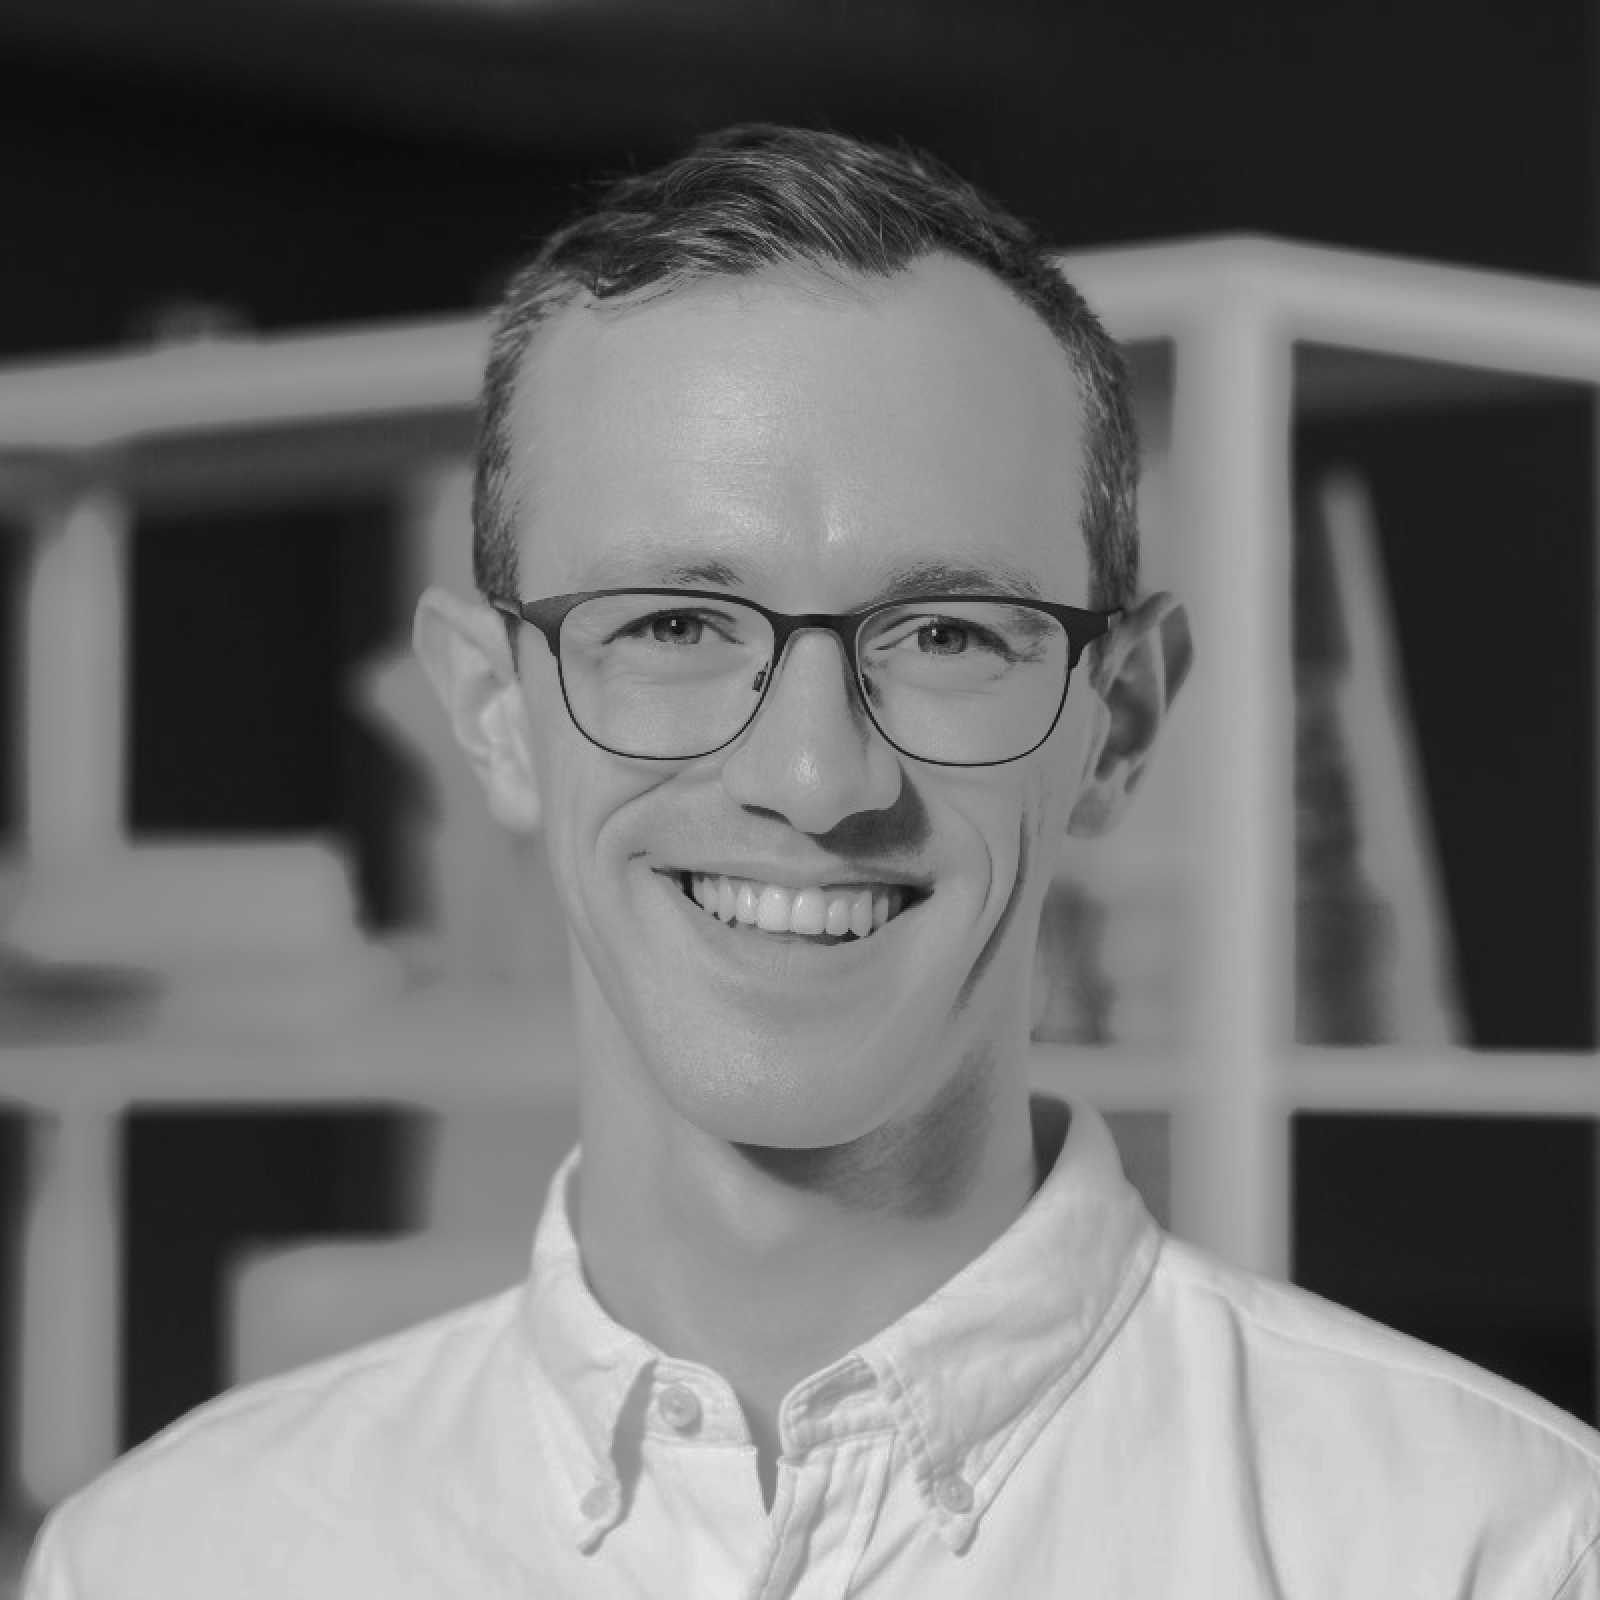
<point>45,1001</point>
<point>227,939</point>
<point>1374,958</point>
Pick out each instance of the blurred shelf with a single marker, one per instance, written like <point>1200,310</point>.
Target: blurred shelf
<point>508,1048</point>
<point>1455,318</point>
<point>437,1046</point>
<point>1374,1080</point>
<point>1472,1083</point>
<point>343,411</point>
<point>219,386</point>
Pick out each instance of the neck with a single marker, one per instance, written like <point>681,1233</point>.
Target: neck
<point>766,1265</point>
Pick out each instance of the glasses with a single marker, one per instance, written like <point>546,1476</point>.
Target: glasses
<point>673,674</point>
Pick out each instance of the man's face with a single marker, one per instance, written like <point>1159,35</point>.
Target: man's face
<point>805,443</point>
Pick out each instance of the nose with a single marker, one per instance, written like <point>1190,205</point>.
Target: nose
<point>812,754</point>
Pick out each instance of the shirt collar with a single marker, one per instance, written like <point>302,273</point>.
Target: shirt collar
<point>584,1367</point>
<point>971,1375</point>
<point>980,1367</point>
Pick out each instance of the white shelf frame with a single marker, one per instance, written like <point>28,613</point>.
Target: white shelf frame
<point>75,439</point>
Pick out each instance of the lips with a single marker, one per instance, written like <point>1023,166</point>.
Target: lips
<point>828,913</point>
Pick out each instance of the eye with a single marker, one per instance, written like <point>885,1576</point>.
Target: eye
<point>936,638</point>
<point>679,629</point>
<point>666,630</point>
<point>676,627</point>
<point>971,642</point>
<point>943,637</point>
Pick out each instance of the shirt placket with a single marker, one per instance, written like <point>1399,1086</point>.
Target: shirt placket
<point>839,1443</point>
<point>699,1480</point>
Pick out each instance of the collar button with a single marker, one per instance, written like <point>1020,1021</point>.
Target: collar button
<point>953,1495</point>
<point>679,1406</point>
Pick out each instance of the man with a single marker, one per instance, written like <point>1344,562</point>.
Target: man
<point>810,630</point>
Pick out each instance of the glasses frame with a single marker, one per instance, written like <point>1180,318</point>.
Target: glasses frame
<point>1082,628</point>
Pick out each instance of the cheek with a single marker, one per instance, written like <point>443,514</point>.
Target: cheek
<point>597,815</point>
<point>1052,787</point>
<point>579,789</point>
<point>1010,889</point>
<point>1041,816</point>
<point>1021,834</point>
<point>1037,808</point>
<point>1013,815</point>
<point>584,799</point>
<point>1041,826</point>
<point>1049,805</point>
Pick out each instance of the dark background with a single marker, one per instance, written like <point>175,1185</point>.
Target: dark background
<point>304,162</point>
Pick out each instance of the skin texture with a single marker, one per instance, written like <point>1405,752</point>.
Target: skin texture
<point>788,1145</point>
<point>918,1168</point>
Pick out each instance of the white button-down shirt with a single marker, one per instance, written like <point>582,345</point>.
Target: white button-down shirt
<point>1090,1409</point>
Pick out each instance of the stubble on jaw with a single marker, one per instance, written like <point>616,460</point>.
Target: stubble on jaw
<point>916,1169</point>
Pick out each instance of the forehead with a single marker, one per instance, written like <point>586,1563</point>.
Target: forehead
<point>796,427</point>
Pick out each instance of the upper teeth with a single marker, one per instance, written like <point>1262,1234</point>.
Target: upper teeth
<point>775,909</point>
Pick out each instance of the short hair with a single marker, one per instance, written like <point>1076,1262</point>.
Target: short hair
<point>756,196</point>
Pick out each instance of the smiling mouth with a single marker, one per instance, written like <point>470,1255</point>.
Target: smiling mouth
<point>832,914</point>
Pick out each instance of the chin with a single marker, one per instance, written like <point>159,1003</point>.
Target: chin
<point>776,1097</point>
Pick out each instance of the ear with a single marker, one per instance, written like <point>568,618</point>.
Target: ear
<point>1143,664</point>
<point>464,649</point>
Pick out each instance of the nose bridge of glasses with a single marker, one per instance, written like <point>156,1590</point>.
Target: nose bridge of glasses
<point>787,630</point>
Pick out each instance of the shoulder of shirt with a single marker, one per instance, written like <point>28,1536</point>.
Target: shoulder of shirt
<point>1363,1442</point>
<point>1345,1343</point>
<point>282,1426</point>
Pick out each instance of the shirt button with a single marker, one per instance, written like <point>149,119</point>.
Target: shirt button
<point>596,1503</point>
<point>679,1406</point>
<point>954,1495</point>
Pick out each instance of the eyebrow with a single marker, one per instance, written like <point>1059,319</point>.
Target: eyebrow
<point>641,569</point>
<point>949,577</point>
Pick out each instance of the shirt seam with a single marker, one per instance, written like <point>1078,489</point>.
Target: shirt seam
<point>1409,1369</point>
<point>1582,1557</point>
<point>680,1442</point>
<point>867,1509</point>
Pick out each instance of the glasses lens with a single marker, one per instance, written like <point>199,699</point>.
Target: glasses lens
<point>661,675</point>
<point>964,682</point>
